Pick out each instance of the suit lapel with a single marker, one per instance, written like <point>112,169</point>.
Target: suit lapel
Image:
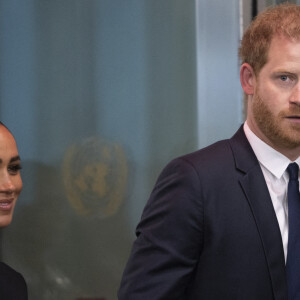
<point>256,191</point>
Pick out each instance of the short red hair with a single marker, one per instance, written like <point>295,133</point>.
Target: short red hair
<point>283,19</point>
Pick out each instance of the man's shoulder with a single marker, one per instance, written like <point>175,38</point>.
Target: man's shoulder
<point>208,159</point>
<point>220,150</point>
<point>211,152</point>
<point>219,155</point>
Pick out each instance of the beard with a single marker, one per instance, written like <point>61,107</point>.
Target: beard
<point>277,128</point>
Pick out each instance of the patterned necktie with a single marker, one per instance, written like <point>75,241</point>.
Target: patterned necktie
<point>293,255</point>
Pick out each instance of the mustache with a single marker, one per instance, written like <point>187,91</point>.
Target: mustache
<point>291,112</point>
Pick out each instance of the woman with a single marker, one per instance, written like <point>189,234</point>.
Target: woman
<point>12,284</point>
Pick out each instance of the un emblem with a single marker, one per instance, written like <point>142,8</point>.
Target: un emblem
<point>95,177</point>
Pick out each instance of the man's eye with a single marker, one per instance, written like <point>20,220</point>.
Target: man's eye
<point>283,77</point>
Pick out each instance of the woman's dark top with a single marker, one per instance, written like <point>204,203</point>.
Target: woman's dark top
<point>12,284</point>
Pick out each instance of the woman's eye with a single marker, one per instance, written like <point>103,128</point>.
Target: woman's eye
<point>14,169</point>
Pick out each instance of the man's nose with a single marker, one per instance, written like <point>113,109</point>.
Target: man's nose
<point>295,97</point>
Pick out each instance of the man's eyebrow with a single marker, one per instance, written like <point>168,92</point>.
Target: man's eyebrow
<point>284,71</point>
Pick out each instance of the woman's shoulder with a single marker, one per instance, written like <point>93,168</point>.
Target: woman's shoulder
<point>4,268</point>
<point>12,283</point>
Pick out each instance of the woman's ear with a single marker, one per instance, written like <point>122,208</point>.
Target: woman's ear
<point>247,78</point>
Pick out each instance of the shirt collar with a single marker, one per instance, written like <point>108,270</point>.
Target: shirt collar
<point>271,159</point>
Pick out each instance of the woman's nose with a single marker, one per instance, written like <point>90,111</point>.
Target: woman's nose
<point>6,184</point>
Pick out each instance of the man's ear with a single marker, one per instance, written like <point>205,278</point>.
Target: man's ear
<point>247,78</point>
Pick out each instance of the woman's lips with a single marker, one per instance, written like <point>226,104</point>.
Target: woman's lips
<point>6,204</point>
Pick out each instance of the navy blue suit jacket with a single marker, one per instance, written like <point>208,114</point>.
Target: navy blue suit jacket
<point>208,231</point>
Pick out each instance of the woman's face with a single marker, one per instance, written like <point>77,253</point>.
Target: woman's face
<point>10,177</point>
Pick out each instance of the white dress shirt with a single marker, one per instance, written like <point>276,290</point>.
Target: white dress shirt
<point>273,165</point>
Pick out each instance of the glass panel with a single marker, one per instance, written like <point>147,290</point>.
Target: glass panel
<point>100,95</point>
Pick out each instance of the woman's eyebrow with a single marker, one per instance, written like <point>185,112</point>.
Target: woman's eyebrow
<point>15,158</point>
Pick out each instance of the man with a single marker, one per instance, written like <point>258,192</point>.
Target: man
<point>217,223</point>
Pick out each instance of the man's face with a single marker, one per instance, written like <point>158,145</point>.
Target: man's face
<point>274,110</point>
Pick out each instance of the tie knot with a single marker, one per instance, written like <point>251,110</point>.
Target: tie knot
<point>293,170</point>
